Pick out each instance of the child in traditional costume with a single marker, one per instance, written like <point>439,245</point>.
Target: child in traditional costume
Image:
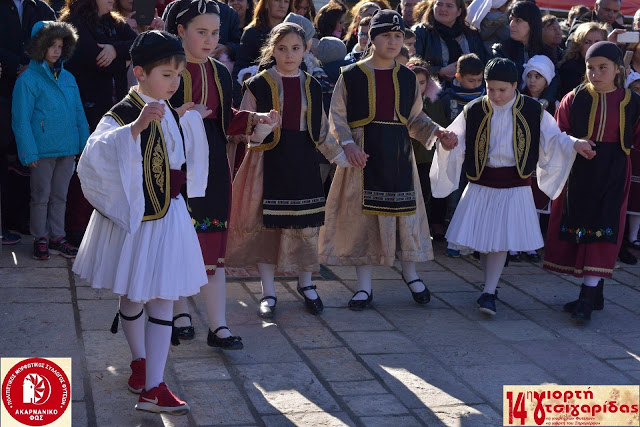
<point>374,213</point>
<point>502,138</point>
<point>278,196</point>
<point>586,227</point>
<point>140,242</point>
<point>207,83</point>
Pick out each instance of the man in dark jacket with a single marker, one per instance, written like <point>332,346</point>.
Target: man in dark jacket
<point>17,18</point>
<point>605,12</point>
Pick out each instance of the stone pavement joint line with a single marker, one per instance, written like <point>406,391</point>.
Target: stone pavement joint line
<point>398,363</point>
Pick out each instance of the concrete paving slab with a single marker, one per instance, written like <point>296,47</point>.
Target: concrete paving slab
<point>404,421</point>
<point>34,277</point>
<point>36,295</point>
<point>281,388</point>
<point>419,381</point>
<point>311,419</point>
<point>374,405</point>
<point>216,402</point>
<point>344,319</point>
<point>517,330</point>
<point>375,342</point>
<point>337,364</point>
<point>262,345</point>
<point>356,388</point>
<point>207,369</point>
<point>460,416</point>
<point>312,337</point>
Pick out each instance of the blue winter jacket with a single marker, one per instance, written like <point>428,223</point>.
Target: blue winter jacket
<point>47,115</point>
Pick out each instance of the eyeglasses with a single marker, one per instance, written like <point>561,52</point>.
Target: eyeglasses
<point>363,34</point>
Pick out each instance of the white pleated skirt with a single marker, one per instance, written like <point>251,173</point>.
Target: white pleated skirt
<point>162,260</point>
<point>496,220</point>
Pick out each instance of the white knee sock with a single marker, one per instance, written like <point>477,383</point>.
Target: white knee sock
<point>180,306</point>
<point>267,274</point>
<point>591,281</point>
<point>215,299</point>
<point>409,273</point>
<point>304,278</point>
<point>492,267</point>
<point>364,273</point>
<point>133,329</point>
<point>157,341</point>
<point>634,227</point>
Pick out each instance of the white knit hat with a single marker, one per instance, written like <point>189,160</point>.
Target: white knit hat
<point>543,65</point>
<point>632,77</point>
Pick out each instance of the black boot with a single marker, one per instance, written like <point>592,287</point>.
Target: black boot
<point>585,303</point>
<point>598,304</point>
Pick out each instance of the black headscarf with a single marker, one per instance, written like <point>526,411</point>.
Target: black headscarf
<point>183,11</point>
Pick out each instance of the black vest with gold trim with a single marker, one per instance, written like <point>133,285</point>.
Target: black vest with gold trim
<point>155,159</point>
<point>265,90</point>
<point>527,115</point>
<point>585,105</point>
<point>361,93</point>
<point>224,84</point>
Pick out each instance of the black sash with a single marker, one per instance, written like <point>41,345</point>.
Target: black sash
<point>594,196</point>
<point>211,212</point>
<point>293,195</point>
<point>388,177</point>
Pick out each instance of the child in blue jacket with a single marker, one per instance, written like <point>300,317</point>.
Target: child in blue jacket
<point>51,129</point>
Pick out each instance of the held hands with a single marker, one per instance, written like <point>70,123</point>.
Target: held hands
<point>448,139</point>
<point>150,112</point>
<point>106,57</point>
<point>583,147</point>
<point>356,156</point>
<point>272,118</point>
<point>200,108</point>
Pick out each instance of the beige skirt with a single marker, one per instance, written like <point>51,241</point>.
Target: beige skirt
<point>350,237</point>
<point>250,242</point>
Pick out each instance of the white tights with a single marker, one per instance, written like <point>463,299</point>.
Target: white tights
<point>152,342</point>
<point>267,275</point>
<point>365,273</point>
<point>492,265</point>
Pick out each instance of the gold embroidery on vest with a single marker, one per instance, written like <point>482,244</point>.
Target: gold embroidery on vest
<point>592,112</point>
<point>307,91</point>
<point>371,90</point>
<point>396,86</point>
<point>216,78</point>
<point>623,106</point>
<point>187,85</point>
<point>275,104</point>
<point>482,139</point>
<point>521,137</point>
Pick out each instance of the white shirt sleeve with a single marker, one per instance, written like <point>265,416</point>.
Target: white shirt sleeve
<point>197,155</point>
<point>447,165</point>
<point>110,172</point>
<point>555,158</point>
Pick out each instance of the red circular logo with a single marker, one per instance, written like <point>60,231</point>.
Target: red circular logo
<point>36,392</point>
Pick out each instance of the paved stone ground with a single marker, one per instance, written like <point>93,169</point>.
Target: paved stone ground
<point>396,364</point>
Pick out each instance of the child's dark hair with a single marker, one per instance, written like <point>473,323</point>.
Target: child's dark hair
<point>419,65</point>
<point>404,52</point>
<point>408,34</point>
<point>278,33</point>
<point>470,64</point>
<point>365,22</point>
<point>174,60</point>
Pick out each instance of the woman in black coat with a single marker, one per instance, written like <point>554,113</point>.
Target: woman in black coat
<point>445,36</point>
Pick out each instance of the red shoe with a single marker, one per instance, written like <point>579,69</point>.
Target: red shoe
<point>138,375</point>
<point>160,399</point>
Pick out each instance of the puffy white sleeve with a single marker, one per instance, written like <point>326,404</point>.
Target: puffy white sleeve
<point>197,155</point>
<point>110,172</point>
<point>447,165</point>
<point>555,157</point>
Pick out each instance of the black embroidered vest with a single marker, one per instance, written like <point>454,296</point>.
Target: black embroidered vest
<point>265,90</point>
<point>526,113</point>
<point>584,106</point>
<point>361,93</point>
<point>155,160</point>
<point>224,85</point>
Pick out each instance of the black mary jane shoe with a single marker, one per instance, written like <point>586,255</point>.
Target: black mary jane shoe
<point>422,297</point>
<point>228,343</point>
<point>360,304</point>
<point>532,257</point>
<point>184,332</point>
<point>265,310</point>
<point>314,306</point>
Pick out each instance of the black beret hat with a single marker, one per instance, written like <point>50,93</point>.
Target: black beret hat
<point>154,45</point>
<point>501,69</point>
